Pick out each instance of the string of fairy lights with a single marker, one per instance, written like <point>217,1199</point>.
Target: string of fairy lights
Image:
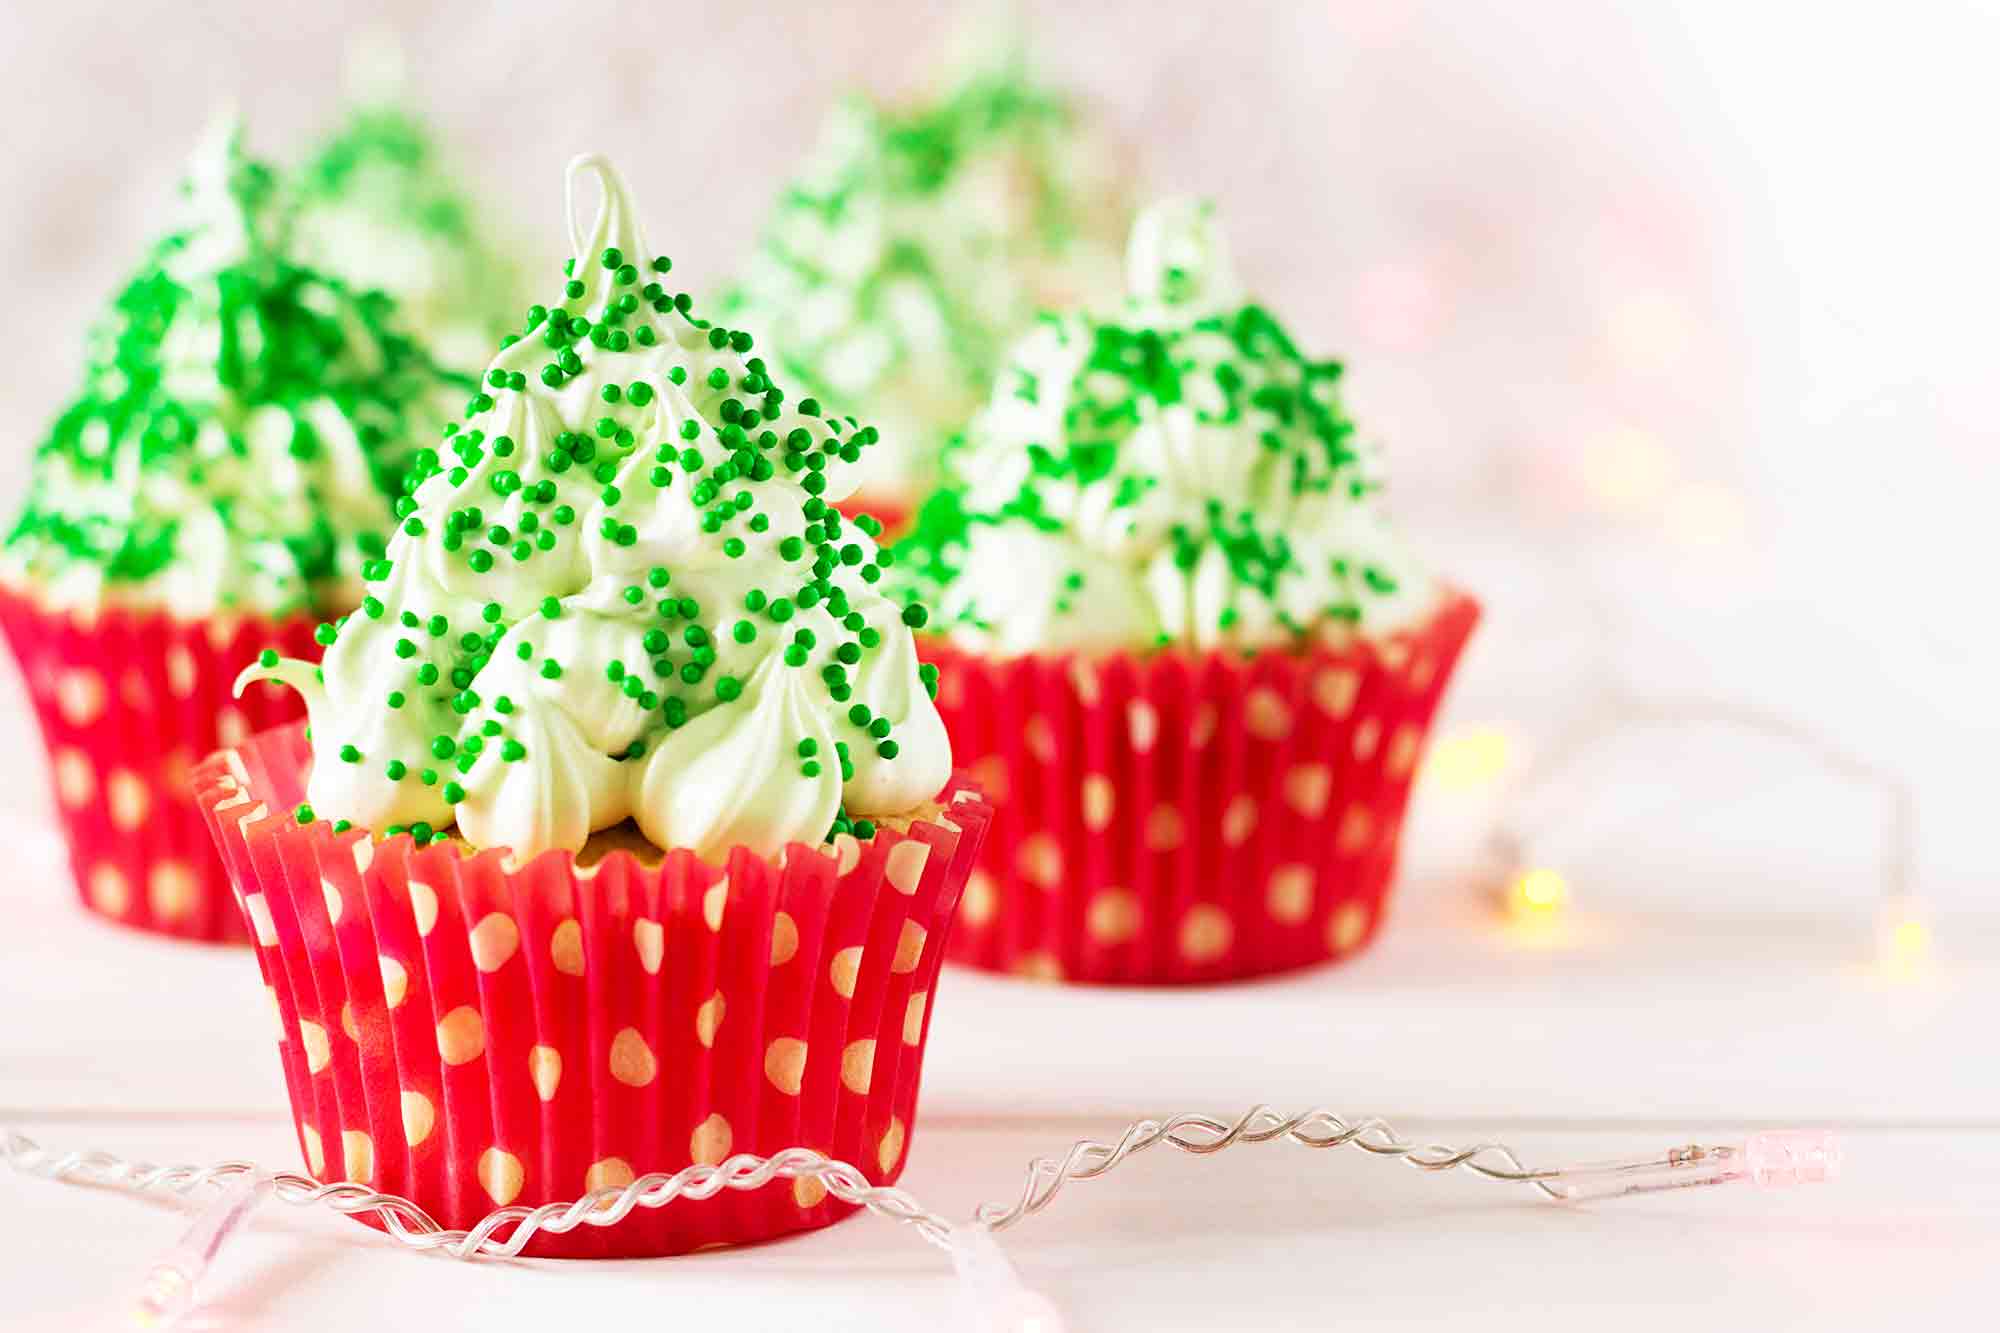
<point>991,1297</point>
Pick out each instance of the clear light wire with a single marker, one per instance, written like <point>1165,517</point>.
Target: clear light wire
<point>505,1232</point>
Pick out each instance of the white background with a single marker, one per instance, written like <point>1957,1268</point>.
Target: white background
<point>1677,321</point>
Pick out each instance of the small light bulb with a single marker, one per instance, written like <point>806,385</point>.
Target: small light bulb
<point>1471,759</point>
<point>1538,892</point>
<point>1905,935</point>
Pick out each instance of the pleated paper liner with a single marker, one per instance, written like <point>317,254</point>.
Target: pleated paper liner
<point>129,701</point>
<point>470,1034</point>
<point>892,509</point>
<point>1182,818</point>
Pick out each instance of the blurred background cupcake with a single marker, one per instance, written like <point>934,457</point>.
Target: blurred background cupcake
<point>626,837</point>
<point>216,485</point>
<point>378,205</point>
<point>918,240</point>
<point>1180,643</point>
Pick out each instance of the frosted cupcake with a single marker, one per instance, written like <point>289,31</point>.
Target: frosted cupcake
<point>216,486</point>
<point>626,837</point>
<point>916,244</point>
<point>1184,650</point>
<point>377,205</point>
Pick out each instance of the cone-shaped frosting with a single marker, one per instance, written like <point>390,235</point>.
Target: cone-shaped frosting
<point>377,206</point>
<point>1176,473</point>
<point>917,242</point>
<point>243,424</point>
<point>621,589</point>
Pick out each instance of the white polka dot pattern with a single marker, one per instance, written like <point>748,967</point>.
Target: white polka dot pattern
<point>784,939</point>
<point>909,948</point>
<point>650,939</point>
<point>785,1064</point>
<point>1267,715</point>
<point>80,696</point>
<point>172,891</point>
<point>890,1153</point>
<point>545,1070</point>
<point>461,1036</point>
<point>1239,821</point>
<point>1289,894</point>
<point>857,1066</point>
<point>128,797</point>
<point>1205,933</point>
<point>566,947</point>
<point>1114,916</point>
<point>1142,725</point>
<point>494,941</point>
<point>76,780</point>
<point>632,1060</point>
<point>710,1142</point>
<point>419,1118</point>
<point>1308,789</point>
<point>501,1175</point>
<point>1100,802</point>
<point>358,1150</point>
<point>708,1018</point>
<point>905,867</point>
<point>1040,861</point>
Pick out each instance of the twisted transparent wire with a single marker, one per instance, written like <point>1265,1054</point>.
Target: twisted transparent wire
<point>1088,1159</point>
<point>505,1232</point>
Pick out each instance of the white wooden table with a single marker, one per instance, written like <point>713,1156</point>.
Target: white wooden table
<point>1619,1032</point>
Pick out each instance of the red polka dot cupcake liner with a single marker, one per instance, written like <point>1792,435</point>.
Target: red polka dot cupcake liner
<point>1182,818</point>
<point>471,1034</point>
<point>892,511</point>
<point>128,702</point>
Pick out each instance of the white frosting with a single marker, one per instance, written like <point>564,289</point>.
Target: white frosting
<point>377,207</point>
<point>916,242</point>
<point>1175,473</point>
<point>177,480</point>
<point>695,766</point>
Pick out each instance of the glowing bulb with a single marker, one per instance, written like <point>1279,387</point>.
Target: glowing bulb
<point>1538,892</point>
<point>1473,759</point>
<point>1905,935</point>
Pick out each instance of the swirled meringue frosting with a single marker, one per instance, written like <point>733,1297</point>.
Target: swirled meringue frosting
<point>376,205</point>
<point>243,423</point>
<point>1176,473</point>
<point>620,589</point>
<point>918,241</point>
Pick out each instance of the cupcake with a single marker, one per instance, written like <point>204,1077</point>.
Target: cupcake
<point>215,487</point>
<point>1183,650</point>
<point>376,204</point>
<point>626,836</point>
<point>916,243</point>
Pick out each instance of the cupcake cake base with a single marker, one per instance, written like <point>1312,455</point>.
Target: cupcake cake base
<point>473,1034</point>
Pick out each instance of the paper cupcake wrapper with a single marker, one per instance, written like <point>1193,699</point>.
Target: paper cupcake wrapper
<point>1180,818</point>
<point>471,1034</point>
<point>129,702</point>
<point>892,510</point>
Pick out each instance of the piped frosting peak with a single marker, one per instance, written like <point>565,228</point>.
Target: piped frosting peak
<point>621,589</point>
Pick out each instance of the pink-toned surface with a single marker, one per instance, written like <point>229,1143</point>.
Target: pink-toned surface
<point>1177,819</point>
<point>471,1036</point>
<point>128,703</point>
